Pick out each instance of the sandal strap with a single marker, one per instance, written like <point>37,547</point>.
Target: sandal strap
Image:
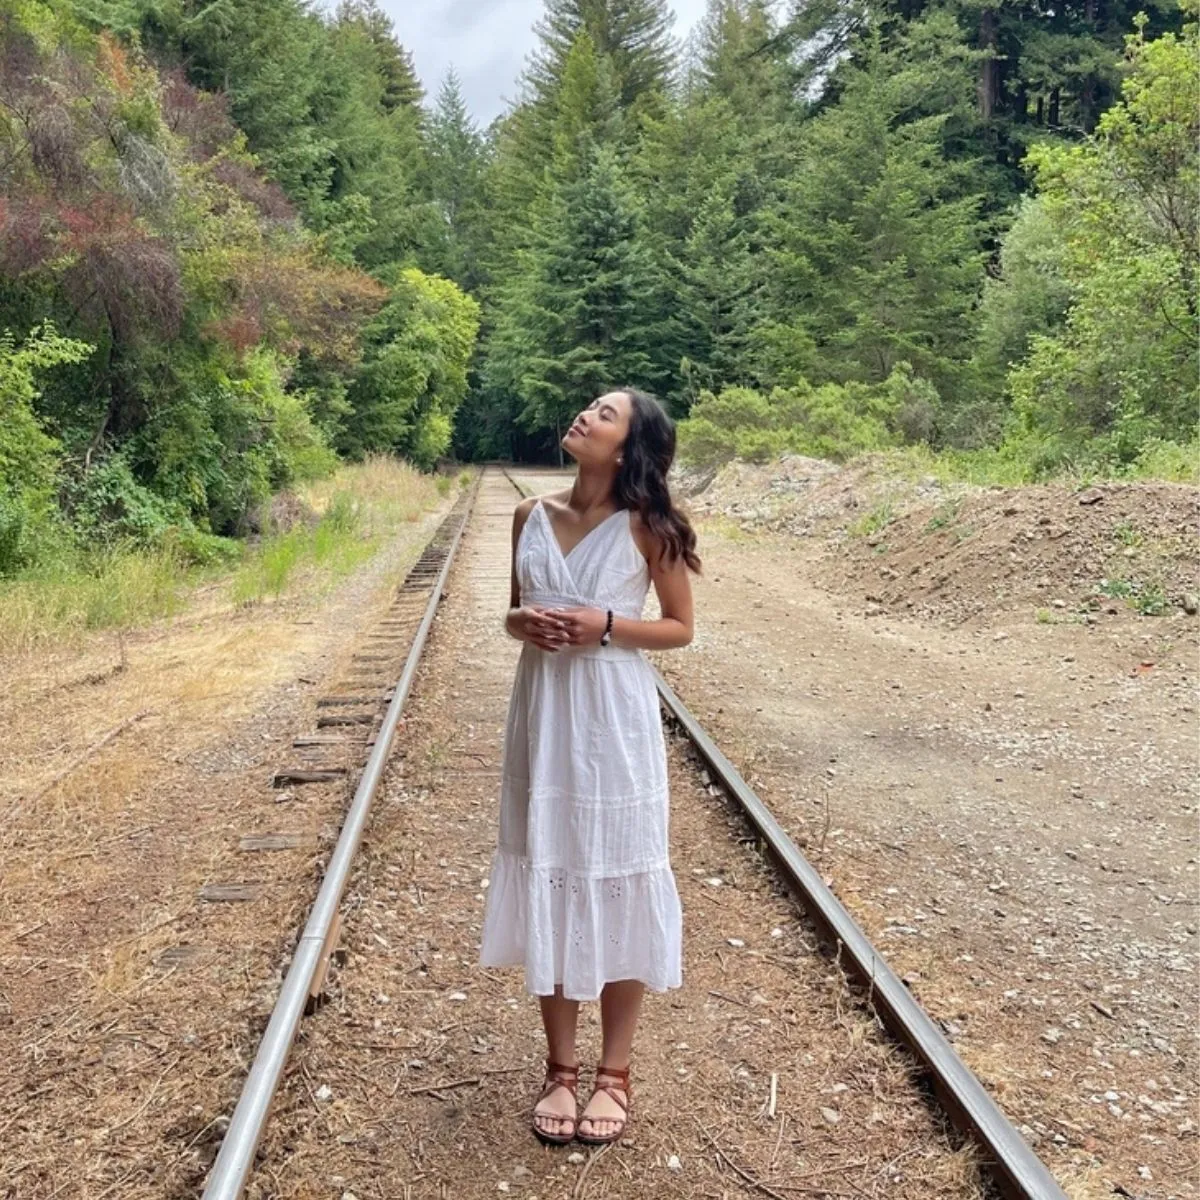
<point>618,1083</point>
<point>619,1097</point>
<point>559,1075</point>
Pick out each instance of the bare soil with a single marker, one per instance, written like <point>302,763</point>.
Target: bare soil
<point>132,769</point>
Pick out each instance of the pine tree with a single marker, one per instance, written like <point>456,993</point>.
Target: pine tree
<point>635,35</point>
<point>457,158</point>
<point>877,255</point>
<point>584,312</point>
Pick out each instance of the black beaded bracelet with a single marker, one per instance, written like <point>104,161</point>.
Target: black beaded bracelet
<point>606,637</point>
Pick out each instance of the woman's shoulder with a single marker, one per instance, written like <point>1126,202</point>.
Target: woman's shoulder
<point>646,540</point>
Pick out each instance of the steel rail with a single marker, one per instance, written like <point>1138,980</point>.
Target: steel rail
<point>1018,1172</point>
<point>233,1164</point>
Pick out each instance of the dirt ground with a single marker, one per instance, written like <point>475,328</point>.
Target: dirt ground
<point>417,1079</point>
<point>131,770</point>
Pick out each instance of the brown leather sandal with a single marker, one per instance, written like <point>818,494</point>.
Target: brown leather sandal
<point>620,1078</point>
<point>557,1076</point>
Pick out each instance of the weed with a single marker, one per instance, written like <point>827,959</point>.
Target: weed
<point>945,514</point>
<point>879,517</point>
<point>443,485</point>
<point>1115,589</point>
<point>1128,534</point>
<point>1144,596</point>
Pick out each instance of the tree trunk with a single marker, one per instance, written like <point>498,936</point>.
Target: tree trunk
<point>988,68</point>
<point>1052,115</point>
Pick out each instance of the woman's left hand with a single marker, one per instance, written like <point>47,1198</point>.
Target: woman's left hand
<point>584,626</point>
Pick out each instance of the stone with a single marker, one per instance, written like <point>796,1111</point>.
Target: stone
<point>831,1115</point>
<point>673,1163</point>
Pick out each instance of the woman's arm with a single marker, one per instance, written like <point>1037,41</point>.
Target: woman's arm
<point>526,623</point>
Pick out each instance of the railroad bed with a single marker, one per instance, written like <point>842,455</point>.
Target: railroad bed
<point>763,1075</point>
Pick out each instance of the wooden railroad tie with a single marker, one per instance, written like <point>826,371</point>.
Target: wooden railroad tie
<point>270,841</point>
<point>290,775</point>
<point>230,893</point>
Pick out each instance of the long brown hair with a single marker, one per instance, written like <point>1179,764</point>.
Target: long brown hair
<point>641,482</point>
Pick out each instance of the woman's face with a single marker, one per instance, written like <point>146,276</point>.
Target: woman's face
<point>599,432</point>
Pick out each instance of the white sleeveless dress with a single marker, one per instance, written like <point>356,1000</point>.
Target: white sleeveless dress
<point>581,890</point>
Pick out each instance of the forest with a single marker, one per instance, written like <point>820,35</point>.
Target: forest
<point>239,244</point>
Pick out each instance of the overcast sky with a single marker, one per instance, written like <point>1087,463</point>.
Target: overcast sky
<point>486,41</point>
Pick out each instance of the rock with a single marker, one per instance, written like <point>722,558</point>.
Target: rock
<point>736,943</point>
<point>502,1186</point>
<point>1191,603</point>
<point>457,997</point>
<point>576,1159</point>
<point>715,881</point>
<point>1144,1173</point>
<point>324,1093</point>
<point>831,1115</point>
<point>1052,1036</point>
<point>673,1163</point>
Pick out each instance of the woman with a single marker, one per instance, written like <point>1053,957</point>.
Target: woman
<point>582,893</point>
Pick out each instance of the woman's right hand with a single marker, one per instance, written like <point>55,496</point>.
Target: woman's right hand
<point>540,626</point>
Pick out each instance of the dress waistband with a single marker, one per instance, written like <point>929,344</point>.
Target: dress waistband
<point>563,600</point>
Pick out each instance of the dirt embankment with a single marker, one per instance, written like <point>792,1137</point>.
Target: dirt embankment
<point>960,553</point>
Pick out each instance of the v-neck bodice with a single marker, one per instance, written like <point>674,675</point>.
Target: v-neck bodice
<point>604,569</point>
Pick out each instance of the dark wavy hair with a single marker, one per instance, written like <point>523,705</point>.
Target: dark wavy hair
<point>641,481</point>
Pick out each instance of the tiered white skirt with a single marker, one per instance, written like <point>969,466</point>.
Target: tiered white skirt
<point>581,891</point>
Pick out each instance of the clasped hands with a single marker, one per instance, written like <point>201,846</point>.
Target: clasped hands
<point>553,628</point>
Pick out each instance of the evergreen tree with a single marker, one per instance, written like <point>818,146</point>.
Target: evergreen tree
<point>584,312</point>
<point>878,242</point>
<point>457,160</point>
<point>635,35</point>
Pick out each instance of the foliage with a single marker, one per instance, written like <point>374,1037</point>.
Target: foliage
<point>1123,366</point>
<point>833,421</point>
<point>414,373</point>
<point>28,455</point>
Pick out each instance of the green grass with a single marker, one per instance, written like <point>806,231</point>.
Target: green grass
<point>944,515</point>
<point>1170,462</point>
<point>105,589</point>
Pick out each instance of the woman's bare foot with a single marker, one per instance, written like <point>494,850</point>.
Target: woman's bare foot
<point>606,1113</point>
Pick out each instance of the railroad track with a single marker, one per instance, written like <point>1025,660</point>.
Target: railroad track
<point>1004,1156</point>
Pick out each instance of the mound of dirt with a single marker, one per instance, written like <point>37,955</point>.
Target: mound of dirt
<point>1049,549</point>
<point>958,552</point>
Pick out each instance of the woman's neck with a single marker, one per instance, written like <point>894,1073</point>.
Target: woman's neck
<point>592,489</point>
